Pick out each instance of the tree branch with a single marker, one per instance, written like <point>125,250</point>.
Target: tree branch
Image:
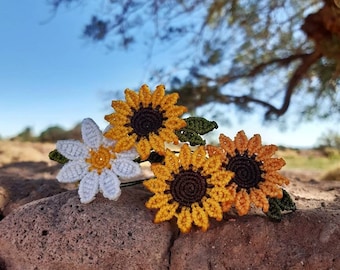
<point>307,61</point>
<point>259,68</point>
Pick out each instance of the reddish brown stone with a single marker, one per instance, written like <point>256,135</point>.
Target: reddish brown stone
<point>61,233</point>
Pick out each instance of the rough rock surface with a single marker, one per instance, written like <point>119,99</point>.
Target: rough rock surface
<point>23,182</point>
<point>59,232</point>
<point>304,240</point>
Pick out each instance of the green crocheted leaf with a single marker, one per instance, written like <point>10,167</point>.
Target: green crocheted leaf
<point>200,125</point>
<point>191,136</point>
<point>276,206</point>
<point>195,127</point>
<point>274,212</point>
<point>56,156</point>
<point>286,202</point>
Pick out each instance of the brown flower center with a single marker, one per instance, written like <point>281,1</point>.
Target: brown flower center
<point>247,171</point>
<point>146,120</point>
<point>188,187</point>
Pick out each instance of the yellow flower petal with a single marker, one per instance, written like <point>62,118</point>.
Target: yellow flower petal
<point>145,95</point>
<point>273,164</point>
<point>168,135</point>
<point>185,156</point>
<point>157,95</point>
<point>157,201</point>
<point>213,208</point>
<point>198,158</point>
<point>184,220</point>
<point>161,171</point>
<point>227,144</point>
<point>121,107</point>
<point>228,204</point>
<point>266,152</point>
<point>220,194</point>
<point>125,143</point>
<point>132,98</point>
<point>115,133</point>
<point>171,161</point>
<point>116,119</point>
<point>169,100</point>
<point>254,144</point>
<point>259,199</point>
<point>241,142</point>
<point>175,111</point>
<point>242,202</point>
<point>200,217</point>
<point>155,185</point>
<point>143,148</point>
<point>212,165</point>
<point>166,212</point>
<point>175,123</point>
<point>221,178</point>
<point>157,143</point>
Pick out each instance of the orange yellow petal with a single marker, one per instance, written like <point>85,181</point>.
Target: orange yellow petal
<point>241,142</point>
<point>157,95</point>
<point>184,220</point>
<point>227,145</point>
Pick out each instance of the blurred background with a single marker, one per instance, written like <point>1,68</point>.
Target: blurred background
<point>268,67</point>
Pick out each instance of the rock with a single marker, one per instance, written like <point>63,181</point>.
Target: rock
<point>23,182</point>
<point>61,233</point>
<point>304,240</point>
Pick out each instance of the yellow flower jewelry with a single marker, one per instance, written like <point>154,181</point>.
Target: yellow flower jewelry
<point>146,120</point>
<point>189,187</point>
<point>256,178</point>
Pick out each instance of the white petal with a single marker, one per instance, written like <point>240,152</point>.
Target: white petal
<point>125,167</point>
<point>88,187</point>
<point>129,154</point>
<point>72,171</point>
<point>72,149</point>
<point>91,133</point>
<point>109,185</point>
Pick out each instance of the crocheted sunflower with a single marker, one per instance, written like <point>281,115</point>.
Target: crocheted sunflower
<point>145,120</point>
<point>256,171</point>
<point>189,187</point>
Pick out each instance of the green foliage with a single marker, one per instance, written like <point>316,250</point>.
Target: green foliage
<point>330,139</point>
<point>195,127</point>
<point>276,206</point>
<point>254,47</point>
<point>25,136</point>
<point>53,134</point>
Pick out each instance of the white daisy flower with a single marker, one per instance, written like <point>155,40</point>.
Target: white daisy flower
<point>94,164</point>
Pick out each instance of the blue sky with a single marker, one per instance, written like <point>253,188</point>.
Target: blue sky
<point>49,75</point>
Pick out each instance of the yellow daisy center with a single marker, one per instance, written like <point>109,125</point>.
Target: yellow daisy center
<point>146,120</point>
<point>188,187</point>
<point>100,159</point>
<point>248,172</point>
